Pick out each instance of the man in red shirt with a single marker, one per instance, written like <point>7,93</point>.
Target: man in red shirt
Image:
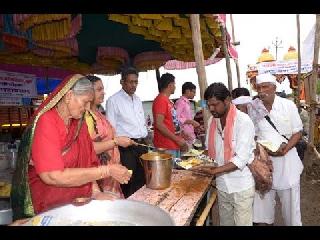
<point>166,124</point>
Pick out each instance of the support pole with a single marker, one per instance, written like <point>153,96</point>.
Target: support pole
<point>313,81</point>
<point>157,74</point>
<point>235,60</point>
<point>198,55</point>
<point>225,50</point>
<point>299,63</point>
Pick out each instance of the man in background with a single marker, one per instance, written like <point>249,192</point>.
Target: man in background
<point>184,112</point>
<point>125,112</point>
<point>166,123</point>
<point>241,98</point>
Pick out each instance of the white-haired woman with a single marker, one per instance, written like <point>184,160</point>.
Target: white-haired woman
<point>56,161</point>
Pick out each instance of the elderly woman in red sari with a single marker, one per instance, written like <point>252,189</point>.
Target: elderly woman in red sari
<point>57,162</point>
<point>103,135</point>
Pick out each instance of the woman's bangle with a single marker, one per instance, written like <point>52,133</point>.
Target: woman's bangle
<point>107,171</point>
<point>101,172</point>
<point>115,142</point>
<point>95,191</point>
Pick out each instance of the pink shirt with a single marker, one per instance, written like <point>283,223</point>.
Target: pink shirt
<point>184,113</point>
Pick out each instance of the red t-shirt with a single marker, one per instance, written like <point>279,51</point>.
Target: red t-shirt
<point>162,105</point>
<point>50,137</point>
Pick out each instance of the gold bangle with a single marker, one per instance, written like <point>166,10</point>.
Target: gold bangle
<point>115,142</point>
<point>95,191</point>
<point>101,172</point>
<point>107,171</point>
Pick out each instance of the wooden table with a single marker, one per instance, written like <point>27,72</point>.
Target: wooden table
<point>182,198</point>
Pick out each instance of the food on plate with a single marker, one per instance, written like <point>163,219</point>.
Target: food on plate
<point>189,163</point>
<point>269,145</point>
<point>193,152</point>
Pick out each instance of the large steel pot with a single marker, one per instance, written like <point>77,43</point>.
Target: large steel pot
<point>104,213</point>
<point>158,169</point>
<point>5,211</point>
<point>5,216</point>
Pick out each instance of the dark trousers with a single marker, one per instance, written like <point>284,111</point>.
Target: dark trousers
<point>130,159</point>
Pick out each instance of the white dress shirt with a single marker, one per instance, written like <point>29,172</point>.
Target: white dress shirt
<point>287,169</point>
<point>126,115</point>
<point>243,145</point>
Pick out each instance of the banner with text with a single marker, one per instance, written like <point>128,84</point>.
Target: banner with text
<point>11,101</point>
<point>283,67</point>
<point>14,84</point>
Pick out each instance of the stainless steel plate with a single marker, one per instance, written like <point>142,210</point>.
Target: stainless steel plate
<point>105,213</point>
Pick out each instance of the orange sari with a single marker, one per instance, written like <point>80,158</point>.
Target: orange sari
<point>100,129</point>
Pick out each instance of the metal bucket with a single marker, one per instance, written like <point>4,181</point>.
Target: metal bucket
<point>157,169</point>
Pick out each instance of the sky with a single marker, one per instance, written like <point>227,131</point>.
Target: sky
<point>254,31</point>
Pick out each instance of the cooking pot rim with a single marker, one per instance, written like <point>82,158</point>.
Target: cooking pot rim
<point>162,156</point>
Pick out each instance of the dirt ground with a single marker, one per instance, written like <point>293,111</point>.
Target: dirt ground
<point>310,196</point>
<point>310,199</point>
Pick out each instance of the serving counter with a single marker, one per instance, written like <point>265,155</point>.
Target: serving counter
<point>181,200</point>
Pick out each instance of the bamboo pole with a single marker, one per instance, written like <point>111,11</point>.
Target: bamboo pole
<point>235,60</point>
<point>313,81</point>
<point>225,50</point>
<point>198,54</point>
<point>307,90</point>
<point>157,74</point>
<point>158,77</point>
<point>299,63</point>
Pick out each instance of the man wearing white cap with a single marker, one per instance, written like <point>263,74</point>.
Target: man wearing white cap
<point>282,126</point>
<point>242,102</point>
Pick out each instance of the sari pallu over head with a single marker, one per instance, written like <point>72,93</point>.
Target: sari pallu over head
<point>20,193</point>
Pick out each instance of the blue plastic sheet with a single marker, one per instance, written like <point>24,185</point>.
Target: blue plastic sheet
<point>46,86</point>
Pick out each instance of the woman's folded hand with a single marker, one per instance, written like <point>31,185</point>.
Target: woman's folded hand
<point>119,173</point>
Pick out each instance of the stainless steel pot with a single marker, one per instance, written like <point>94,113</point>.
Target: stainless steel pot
<point>5,216</point>
<point>105,213</point>
<point>158,169</point>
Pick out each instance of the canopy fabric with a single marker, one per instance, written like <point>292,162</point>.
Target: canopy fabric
<point>40,72</point>
<point>75,42</point>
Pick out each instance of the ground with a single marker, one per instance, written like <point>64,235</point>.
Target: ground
<point>310,196</point>
<point>310,199</point>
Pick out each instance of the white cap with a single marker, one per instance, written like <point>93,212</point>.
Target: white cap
<point>242,100</point>
<point>266,77</point>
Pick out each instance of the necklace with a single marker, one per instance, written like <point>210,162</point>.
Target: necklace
<point>66,122</point>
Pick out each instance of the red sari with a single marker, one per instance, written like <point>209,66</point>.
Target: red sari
<point>51,136</point>
<point>104,131</point>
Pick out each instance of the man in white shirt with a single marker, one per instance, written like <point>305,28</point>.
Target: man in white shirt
<point>125,112</point>
<point>287,166</point>
<point>230,141</point>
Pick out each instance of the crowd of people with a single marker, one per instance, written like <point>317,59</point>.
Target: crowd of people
<point>72,149</point>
